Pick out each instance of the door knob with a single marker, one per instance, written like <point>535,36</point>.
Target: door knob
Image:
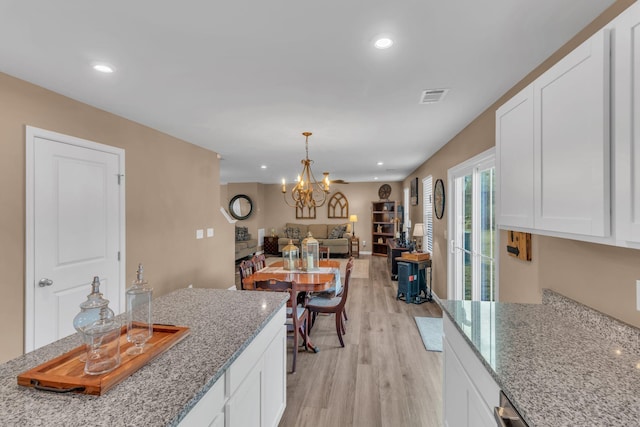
<point>45,282</point>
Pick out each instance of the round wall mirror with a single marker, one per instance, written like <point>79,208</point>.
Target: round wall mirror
<point>240,206</point>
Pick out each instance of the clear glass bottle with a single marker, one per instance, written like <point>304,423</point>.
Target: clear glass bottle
<point>100,331</point>
<point>139,322</point>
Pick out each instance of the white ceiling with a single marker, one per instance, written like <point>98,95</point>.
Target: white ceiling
<point>244,78</point>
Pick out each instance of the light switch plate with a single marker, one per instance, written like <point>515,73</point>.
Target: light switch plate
<point>199,234</point>
<point>209,232</point>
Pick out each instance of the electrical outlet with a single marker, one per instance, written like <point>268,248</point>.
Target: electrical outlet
<point>209,232</point>
<point>638,295</point>
<point>364,243</point>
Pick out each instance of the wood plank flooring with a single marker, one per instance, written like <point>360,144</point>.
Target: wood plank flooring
<point>382,377</point>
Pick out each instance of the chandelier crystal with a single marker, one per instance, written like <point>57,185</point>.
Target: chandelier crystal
<point>308,192</point>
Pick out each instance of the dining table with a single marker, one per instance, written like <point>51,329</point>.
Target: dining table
<point>326,277</point>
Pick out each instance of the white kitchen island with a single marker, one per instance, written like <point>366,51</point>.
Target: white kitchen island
<point>230,371</point>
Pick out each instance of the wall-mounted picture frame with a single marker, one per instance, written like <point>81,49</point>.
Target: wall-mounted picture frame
<point>414,192</point>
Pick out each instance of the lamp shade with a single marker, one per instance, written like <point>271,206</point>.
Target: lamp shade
<point>353,218</point>
<point>418,230</point>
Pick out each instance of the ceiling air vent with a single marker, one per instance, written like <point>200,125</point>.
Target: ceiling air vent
<point>431,96</point>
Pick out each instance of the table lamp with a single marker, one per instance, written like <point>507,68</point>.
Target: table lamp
<point>418,232</point>
<point>353,219</point>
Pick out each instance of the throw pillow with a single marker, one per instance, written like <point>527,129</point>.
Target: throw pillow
<point>242,234</point>
<point>337,232</point>
<point>292,232</point>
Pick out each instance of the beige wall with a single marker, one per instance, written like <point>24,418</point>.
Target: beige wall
<point>359,194</point>
<point>255,192</point>
<point>474,139</point>
<point>600,276</point>
<point>172,189</point>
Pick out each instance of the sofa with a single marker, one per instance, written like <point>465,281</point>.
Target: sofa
<point>245,245</point>
<point>337,237</point>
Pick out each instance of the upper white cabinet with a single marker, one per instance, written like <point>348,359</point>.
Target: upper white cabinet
<point>553,148</point>
<point>514,155</point>
<point>571,142</point>
<point>626,122</point>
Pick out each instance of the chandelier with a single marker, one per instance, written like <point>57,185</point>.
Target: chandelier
<point>307,193</point>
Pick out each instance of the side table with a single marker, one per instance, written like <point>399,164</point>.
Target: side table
<point>271,245</point>
<point>355,247</point>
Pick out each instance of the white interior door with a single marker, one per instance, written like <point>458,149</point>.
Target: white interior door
<point>75,230</point>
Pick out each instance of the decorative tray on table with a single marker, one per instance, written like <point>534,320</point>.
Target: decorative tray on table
<point>65,373</point>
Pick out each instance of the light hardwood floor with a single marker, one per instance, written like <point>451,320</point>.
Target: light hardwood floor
<point>382,377</point>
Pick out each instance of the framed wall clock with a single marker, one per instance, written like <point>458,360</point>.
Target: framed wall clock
<point>438,199</point>
<point>384,192</point>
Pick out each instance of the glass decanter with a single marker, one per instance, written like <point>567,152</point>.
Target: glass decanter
<point>139,324</point>
<point>90,312</point>
<point>103,337</point>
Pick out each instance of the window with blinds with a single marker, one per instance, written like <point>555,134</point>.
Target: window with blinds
<point>427,215</point>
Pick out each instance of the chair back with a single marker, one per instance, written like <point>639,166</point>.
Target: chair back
<point>345,286</point>
<point>350,263</point>
<point>246,270</point>
<point>259,262</point>
<point>275,285</point>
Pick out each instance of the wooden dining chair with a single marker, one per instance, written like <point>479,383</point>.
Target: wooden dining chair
<point>324,252</point>
<point>246,270</point>
<point>297,315</point>
<point>259,262</point>
<point>333,305</point>
<point>350,265</point>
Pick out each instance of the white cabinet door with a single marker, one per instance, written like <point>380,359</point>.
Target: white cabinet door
<point>253,391</point>
<point>627,124</point>
<point>260,399</point>
<point>245,407</point>
<point>469,391</point>
<point>571,141</point>
<point>455,396</point>
<point>257,379</point>
<point>514,161</point>
<point>274,392</point>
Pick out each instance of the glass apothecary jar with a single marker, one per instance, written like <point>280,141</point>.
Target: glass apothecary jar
<point>290,256</point>
<point>100,332</point>
<point>310,253</point>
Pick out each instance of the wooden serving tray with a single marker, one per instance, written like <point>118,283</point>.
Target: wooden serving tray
<point>416,256</point>
<point>65,373</point>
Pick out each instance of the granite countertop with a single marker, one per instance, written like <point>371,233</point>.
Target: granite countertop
<point>560,363</point>
<point>222,324</point>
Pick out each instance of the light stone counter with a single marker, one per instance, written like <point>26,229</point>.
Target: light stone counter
<point>222,324</point>
<point>560,363</point>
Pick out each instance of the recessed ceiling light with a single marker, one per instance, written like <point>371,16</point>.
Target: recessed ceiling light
<point>263,167</point>
<point>103,68</point>
<point>383,43</point>
<point>380,163</point>
<point>375,178</point>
